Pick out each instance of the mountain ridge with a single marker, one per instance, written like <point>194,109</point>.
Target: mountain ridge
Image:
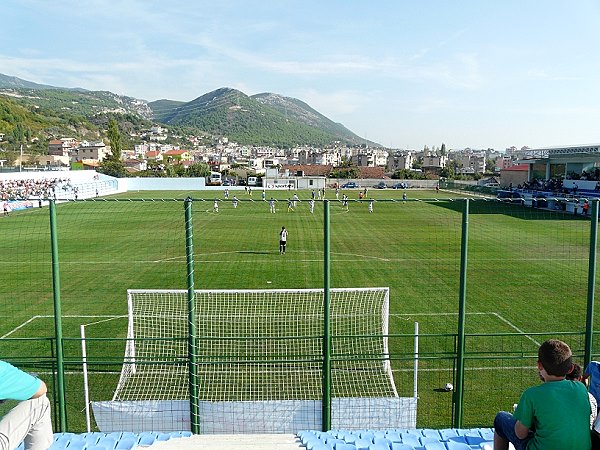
<point>261,119</point>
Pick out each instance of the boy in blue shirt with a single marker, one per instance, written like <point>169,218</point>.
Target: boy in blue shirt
<point>554,415</point>
<point>29,421</point>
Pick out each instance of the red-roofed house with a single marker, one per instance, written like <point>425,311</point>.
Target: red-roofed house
<point>514,175</point>
<point>154,155</point>
<point>177,155</point>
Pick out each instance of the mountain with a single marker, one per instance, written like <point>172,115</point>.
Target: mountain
<point>8,82</point>
<point>161,109</point>
<point>298,110</point>
<point>74,101</point>
<point>263,119</point>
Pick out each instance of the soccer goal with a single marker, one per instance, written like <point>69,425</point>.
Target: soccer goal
<point>259,362</point>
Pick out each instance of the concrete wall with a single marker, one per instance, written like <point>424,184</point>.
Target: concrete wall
<point>163,184</point>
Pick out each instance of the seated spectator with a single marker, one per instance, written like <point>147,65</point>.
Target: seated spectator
<point>577,375</point>
<point>592,372</point>
<point>554,415</point>
<point>29,421</point>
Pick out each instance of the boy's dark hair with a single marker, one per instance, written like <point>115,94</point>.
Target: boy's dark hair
<point>576,373</point>
<point>555,356</point>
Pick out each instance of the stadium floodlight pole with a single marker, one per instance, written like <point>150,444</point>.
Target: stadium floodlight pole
<point>462,299</point>
<point>589,318</point>
<point>192,319</point>
<point>60,367</point>
<point>326,400</point>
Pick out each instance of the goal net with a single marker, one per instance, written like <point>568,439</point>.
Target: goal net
<point>259,361</point>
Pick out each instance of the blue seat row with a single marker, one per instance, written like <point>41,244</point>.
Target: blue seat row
<point>413,439</point>
<point>111,441</point>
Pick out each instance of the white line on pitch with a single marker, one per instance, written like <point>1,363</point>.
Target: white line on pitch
<point>516,328</point>
<point>20,326</point>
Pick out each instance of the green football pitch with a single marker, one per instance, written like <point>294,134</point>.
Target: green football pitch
<point>526,278</point>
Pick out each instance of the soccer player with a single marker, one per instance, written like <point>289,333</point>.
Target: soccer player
<point>264,195</point>
<point>296,200</point>
<point>290,207</point>
<point>272,205</point>
<point>226,194</point>
<point>311,205</point>
<point>282,240</point>
<point>371,205</point>
<point>216,206</point>
<point>235,202</point>
<point>345,201</point>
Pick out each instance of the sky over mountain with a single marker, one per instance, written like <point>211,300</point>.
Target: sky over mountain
<point>406,74</point>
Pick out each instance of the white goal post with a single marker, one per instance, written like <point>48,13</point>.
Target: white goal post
<point>259,361</point>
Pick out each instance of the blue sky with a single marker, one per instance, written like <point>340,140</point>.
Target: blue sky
<point>473,73</point>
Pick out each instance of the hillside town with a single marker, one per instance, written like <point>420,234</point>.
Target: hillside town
<point>224,155</point>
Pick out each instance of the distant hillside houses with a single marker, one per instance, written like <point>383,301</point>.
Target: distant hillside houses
<point>223,155</point>
<point>65,151</point>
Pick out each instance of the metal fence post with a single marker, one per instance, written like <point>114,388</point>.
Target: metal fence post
<point>589,318</point>
<point>192,319</point>
<point>462,297</point>
<point>326,322</point>
<point>60,368</point>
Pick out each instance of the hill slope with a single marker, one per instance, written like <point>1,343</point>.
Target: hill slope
<point>265,119</point>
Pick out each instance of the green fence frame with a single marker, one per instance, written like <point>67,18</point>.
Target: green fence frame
<point>461,335</point>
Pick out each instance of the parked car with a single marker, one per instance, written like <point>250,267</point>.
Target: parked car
<point>401,185</point>
<point>349,185</point>
<point>380,185</point>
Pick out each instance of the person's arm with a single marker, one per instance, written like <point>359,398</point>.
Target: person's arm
<point>41,391</point>
<point>521,430</point>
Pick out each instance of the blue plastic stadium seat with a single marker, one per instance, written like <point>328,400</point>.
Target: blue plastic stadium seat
<point>77,444</point>
<point>447,433</point>
<point>367,435</point>
<point>126,443</point>
<point>146,439</point>
<point>474,440</point>
<point>393,436</point>
<point>362,444</point>
<point>382,441</point>
<point>163,436</point>
<point>429,439</point>
<point>320,446</point>
<point>344,446</point>
<point>411,439</point>
<point>434,446</point>
<point>460,439</point>
<point>96,447</point>
<point>400,446</point>
<point>107,442</point>
<point>317,444</point>
<point>431,433</point>
<point>351,438</point>
<point>379,447</point>
<point>452,445</point>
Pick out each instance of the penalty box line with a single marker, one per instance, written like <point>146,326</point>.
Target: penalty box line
<point>495,314</point>
<point>105,318</point>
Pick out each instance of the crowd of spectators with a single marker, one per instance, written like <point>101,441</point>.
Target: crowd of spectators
<point>552,185</point>
<point>23,189</point>
<point>585,175</point>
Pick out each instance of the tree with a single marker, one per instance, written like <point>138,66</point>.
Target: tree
<point>112,164</point>
<point>198,170</point>
<point>114,137</point>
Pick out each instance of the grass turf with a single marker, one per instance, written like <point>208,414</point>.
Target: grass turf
<point>526,279</point>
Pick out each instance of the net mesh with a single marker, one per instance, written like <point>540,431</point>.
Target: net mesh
<point>256,345</point>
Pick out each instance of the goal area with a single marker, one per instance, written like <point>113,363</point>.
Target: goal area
<point>258,362</point>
